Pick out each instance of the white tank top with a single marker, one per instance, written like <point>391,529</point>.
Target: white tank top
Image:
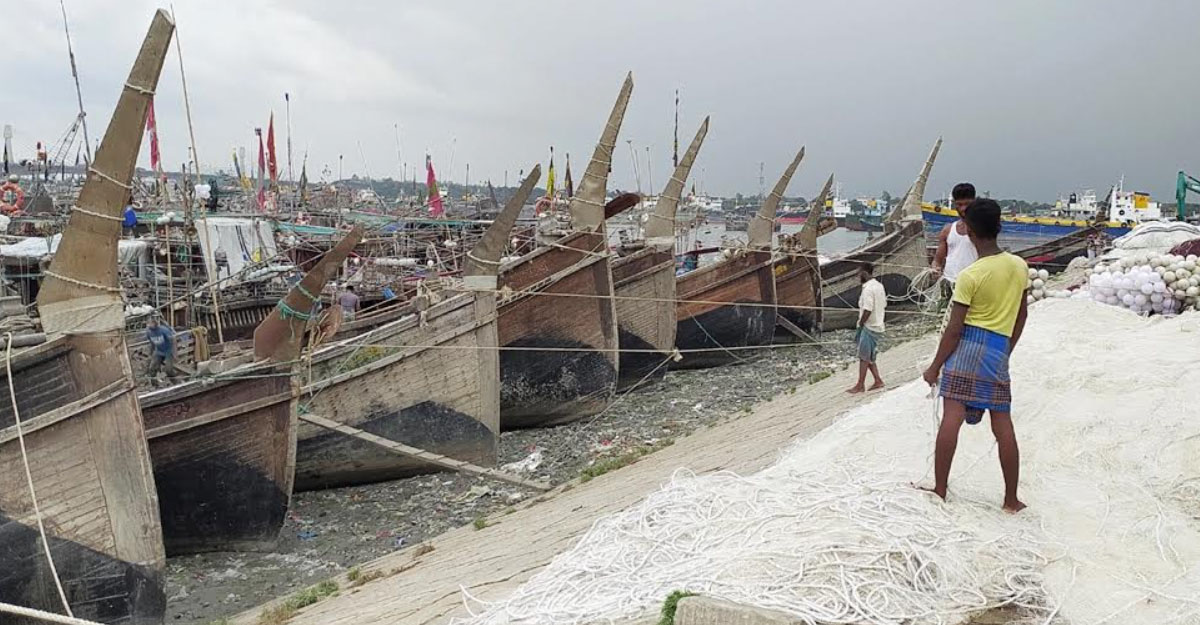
<point>960,253</point>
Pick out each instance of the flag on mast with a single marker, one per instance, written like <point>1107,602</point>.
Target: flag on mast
<point>550,177</point>
<point>237,168</point>
<point>152,130</point>
<point>435,199</point>
<point>262,165</point>
<point>570,186</point>
<point>271,167</point>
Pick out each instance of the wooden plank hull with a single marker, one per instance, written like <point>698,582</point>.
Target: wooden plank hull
<point>429,383</point>
<point>91,471</point>
<point>558,357</point>
<point>798,291</point>
<point>1054,256</point>
<point>224,454</point>
<point>710,318</point>
<point>645,286</point>
<point>898,258</point>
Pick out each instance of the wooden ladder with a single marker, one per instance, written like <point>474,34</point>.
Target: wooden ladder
<point>409,451</point>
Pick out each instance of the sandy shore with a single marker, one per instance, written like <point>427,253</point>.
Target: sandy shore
<point>328,532</point>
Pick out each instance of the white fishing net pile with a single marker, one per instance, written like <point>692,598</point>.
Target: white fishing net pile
<point>1106,413</point>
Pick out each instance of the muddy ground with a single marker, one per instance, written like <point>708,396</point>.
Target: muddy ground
<point>330,531</point>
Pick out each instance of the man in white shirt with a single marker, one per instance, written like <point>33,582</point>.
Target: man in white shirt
<point>872,304</point>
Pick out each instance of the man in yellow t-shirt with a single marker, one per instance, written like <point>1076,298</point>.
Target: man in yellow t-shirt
<point>986,321</point>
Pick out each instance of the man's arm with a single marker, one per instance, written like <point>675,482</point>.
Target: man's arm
<point>949,342</point>
<point>862,318</point>
<point>1022,314</point>
<point>943,248</point>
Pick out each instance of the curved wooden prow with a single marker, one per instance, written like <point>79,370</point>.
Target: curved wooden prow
<point>660,230</point>
<point>587,206</point>
<point>762,227</point>
<point>280,336</point>
<point>80,292</point>
<point>910,208</point>
<point>806,239</point>
<point>620,204</point>
<point>483,261</point>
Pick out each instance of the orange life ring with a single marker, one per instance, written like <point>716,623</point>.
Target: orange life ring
<point>14,206</point>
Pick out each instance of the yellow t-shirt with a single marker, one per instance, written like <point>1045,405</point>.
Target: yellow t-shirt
<point>993,288</point>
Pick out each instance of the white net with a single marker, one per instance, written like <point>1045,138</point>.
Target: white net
<point>834,533</point>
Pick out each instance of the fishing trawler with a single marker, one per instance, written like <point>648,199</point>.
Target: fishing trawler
<point>898,257</point>
<point>644,282</point>
<point>77,497</point>
<point>558,328</point>
<point>429,380</point>
<point>729,305</point>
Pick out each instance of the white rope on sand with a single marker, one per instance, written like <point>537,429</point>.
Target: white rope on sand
<point>833,533</point>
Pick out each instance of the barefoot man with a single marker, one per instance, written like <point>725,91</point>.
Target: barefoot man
<point>986,321</point>
<point>872,303</point>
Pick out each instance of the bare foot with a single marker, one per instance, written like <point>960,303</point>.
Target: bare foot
<point>858,388</point>
<point>876,386</point>
<point>935,490</point>
<point>1014,506</point>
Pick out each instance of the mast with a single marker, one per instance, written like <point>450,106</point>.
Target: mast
<point>807,237</point>
<point>587,206</point>
<point>80,292</point>
<point>910,208</point>
<point>675,152</point>
<point>660,229</point>
<point>483,261</point>
<point>280,336</point>
<point>762,227</point>
<point>78,92</point>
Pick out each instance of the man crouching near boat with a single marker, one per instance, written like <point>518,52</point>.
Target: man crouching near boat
<point>986,321</point>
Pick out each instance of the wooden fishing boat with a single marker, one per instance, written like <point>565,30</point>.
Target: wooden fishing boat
<point>730,304</point>
<point>74,464</point>
<point>898,257</point>
<point>428,380</point>
<point>224,446</point>
<point>1055,255</point>
<point>558,328</point>
<point>644,282</point>
<point>798,273</point>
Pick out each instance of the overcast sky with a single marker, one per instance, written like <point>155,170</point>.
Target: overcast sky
<point>1035,98</point>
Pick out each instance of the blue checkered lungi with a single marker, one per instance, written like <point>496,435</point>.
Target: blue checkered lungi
<point>868,344</point>
<point>976,374</point>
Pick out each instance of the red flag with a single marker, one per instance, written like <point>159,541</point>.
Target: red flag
<point>271,150</point>
<point>435,198</point>
<point>152,130</point>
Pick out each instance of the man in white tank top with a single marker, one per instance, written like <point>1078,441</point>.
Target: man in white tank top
<point>955,251</point>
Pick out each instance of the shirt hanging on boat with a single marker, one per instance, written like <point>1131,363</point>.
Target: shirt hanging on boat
<point>873,298</point>
<point>993,287</point>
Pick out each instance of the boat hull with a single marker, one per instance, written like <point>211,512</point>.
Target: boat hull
<point>644,282</point>
<point>798,292</point>
<point>558,357</point>
<point>224,454</point>
<point>898,257</point>
<point>728,305</point>
<point>1043,227</point>
<point>864,223</point>
<point>1054,256</point>
<point>91,470</point>
<point>427,380</point>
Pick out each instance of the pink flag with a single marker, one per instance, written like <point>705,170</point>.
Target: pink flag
<point>435,198</point>
<point>152,130</point>
<point>271,151</point>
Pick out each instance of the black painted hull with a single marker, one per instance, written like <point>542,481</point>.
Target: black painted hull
<point>729,326</point>
<point>330,459</point>
<point>218,503</point>
<point>638,368</point>
<point>540,388</point>
<point>99,587</point>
